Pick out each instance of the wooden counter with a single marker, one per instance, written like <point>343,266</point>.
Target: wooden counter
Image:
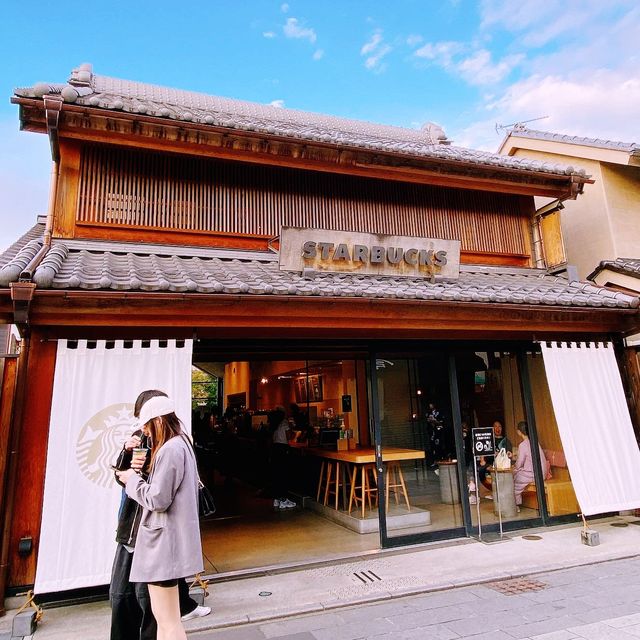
<point>362,459</point>
<point>367,455</point>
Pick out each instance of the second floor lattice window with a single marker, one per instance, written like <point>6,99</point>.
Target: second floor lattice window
<point>144,189</point>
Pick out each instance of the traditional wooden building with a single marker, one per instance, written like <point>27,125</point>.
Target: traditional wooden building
<point>399,277</point>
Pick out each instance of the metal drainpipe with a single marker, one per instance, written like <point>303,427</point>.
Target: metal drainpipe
<point>52,108</point>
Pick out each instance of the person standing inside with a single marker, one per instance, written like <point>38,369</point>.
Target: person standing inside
<point>168,544</point>
<point>279,426</point>
<point>131,615</point>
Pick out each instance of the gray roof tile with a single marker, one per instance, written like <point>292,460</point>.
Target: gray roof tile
<point>135,97</point>
<point>35,233</point>
<point>625,266</point>
<point>629,147</point>
<point>79,266</point>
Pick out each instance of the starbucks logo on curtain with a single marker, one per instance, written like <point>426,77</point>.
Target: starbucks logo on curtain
<point>95,387</point>
<point>101,439</point>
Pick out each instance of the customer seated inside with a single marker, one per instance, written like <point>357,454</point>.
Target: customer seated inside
<point>486,462</point>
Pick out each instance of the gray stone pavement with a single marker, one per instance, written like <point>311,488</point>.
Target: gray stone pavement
<point>594,602</point>
<point>439,587</point>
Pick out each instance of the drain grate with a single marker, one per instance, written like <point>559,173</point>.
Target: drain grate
<point>619,524</point>
<point>532,537</point>
<point>516,585</point>
<point>367,577</point>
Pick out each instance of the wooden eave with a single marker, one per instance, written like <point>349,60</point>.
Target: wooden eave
<point>136,130</point>
<point>258,316</point>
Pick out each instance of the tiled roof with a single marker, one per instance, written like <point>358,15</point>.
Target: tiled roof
<point>82,266</point>
<point>85,88</point>
<point>626,266</point>
<point>629,147</point>
<point>34,234</point>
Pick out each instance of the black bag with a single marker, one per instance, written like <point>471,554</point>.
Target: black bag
<point>206,506</point>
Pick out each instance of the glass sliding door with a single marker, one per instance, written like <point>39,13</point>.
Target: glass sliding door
<point>490,392</point>
<point>420,495</point>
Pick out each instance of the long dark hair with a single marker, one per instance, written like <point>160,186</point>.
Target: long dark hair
<point>161,430</point>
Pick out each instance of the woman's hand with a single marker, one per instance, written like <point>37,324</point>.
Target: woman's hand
<point>123,476</point>
<point>137,463</point>
<point>132,443</point>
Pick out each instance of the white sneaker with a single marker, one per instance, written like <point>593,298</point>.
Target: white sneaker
<point>276,504</point>
<point>198,612</point>
<point>287,504</point>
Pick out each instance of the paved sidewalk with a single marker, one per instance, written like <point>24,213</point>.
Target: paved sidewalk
<point>374,578</point>
<point>591,602</point>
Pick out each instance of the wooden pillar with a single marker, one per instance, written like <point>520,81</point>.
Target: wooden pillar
<point>32,459</point>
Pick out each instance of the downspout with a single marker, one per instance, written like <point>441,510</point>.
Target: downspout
<point>52,109</point>
<point>22,294</point>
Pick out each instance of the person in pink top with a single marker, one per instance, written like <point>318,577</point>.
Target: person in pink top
<point>523,469</point>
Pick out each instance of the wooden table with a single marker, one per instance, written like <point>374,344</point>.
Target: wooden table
<point>359,458</point>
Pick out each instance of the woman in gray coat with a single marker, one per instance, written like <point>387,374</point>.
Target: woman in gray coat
<point>168,545</point>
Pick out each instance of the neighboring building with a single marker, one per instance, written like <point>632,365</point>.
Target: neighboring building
<point>601,229</point>
<point>382,279</point>
<point>604,224</point>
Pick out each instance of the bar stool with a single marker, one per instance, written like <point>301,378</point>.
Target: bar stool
<point>394,480</point>
<point>333,482</point>
<point>365,488</point>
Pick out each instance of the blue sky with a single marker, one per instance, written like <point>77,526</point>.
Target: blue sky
<point>464,65</point>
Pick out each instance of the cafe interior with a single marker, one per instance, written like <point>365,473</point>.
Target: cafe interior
<point>331,474</point>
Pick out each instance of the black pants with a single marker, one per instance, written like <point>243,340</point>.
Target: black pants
<point>131,616</point>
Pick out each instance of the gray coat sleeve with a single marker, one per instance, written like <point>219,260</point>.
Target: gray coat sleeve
<point>168,472</point>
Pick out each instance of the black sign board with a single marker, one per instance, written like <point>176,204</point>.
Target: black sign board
<point>482,440</point>
<point>346,404</point>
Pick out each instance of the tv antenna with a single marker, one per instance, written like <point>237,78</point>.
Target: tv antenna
<point>517,126</point>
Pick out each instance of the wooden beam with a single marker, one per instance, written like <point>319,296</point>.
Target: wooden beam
<point>68,186</point>
<point>363,317</point>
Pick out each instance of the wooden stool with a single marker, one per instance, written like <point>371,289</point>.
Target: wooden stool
<point>395,480</point>
<point>333,482</point>
<point>322,467</point>
<point>365,488</point>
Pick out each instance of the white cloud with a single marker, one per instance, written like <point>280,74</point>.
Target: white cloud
<point>277,103</point>
<point>370,46</point>
<point>374,51</point>
<point>539,23</point>
<point>293,29</point>
<point>269,34</point>
<point>318,54</point>
<point>603,105</point>
<point>479,69</point>
<point>475,66</point>
<point>441,53</point>
<point>284,8</point>
<point>413,40</point>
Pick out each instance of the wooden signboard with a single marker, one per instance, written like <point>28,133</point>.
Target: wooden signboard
<point>366,253</point>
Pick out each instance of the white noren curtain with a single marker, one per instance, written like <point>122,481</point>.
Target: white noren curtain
<point>95,387</point>
<point>595,427</point>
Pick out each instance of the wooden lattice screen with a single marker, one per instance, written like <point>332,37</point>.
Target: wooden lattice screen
<point>161,191</point>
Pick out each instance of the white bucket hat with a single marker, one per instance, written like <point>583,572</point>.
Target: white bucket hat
<point>155,407</point>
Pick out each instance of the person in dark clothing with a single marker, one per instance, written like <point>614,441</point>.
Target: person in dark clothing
<point>131,615</point>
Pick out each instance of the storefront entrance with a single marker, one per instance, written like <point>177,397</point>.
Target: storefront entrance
<point>379,448</point>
